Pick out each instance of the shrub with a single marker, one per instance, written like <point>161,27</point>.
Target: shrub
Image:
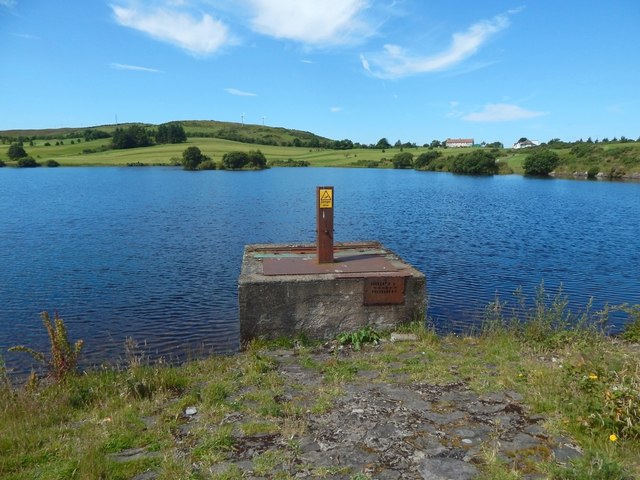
<point>540,163</point>
<point>235,160</point>
<point>27,162</point>
<point>257,160</point>
<point>631,330</point>
<point>207,165</point>
<point>403,160</point>
<point>479,162</point>
<point>51,163</point>
<point>2,164</point>
<point>424,159</point>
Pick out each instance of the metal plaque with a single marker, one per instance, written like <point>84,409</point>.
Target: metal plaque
<point>384,290</point>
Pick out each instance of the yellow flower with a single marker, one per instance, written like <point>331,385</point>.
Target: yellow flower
<point>613,437</point>
<point>593,376</point>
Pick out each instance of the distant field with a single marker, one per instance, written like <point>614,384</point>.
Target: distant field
<point>72,155</point>
<point>605,158</point>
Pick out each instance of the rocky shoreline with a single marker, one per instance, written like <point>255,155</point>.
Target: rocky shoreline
<point>378,427</point>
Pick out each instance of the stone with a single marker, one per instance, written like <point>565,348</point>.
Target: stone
<point>403,337</point>
<point>447,469</point>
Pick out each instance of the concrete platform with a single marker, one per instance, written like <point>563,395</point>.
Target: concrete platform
<point>284,291</point>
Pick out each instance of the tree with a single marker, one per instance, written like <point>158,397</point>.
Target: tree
<point>235,160</point>
<point>478,162</point>
<point>435,144</point>
<point>383,143</point>
<point>171,133</point>
<point>16,151</point>
<point>540,163</point>
<point>131,137</point>
<point>403,160</point>
<point>27,162</point>
<point>257,160</point>
<point>424,159</point>
<point>192,157</point>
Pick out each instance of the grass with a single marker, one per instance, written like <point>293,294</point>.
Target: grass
<point>586,385</point>
<point>611,157</point>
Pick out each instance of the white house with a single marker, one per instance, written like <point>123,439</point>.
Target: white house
<point>459,142</point>
<point>526,144</point>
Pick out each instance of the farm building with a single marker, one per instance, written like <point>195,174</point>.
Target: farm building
<point>459,142</point>
<point>526,144</point>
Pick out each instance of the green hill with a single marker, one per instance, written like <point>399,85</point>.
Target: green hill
<point>245,133</point>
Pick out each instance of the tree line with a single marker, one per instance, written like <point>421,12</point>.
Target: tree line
<point>194,159</point>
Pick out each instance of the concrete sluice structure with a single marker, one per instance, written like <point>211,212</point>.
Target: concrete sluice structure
<point>283,290</point>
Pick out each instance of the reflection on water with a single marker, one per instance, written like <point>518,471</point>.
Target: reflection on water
<point>154,253</point>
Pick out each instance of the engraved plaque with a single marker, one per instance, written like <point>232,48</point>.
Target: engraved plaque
<point>384,290</point>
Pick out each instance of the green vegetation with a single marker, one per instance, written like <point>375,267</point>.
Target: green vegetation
<point>192,158</point>
<point>63,356</point>
<point>357,338</point>
<point>16,152</point>
<point>110,423</point>
<point>287,147</point>
<point>27,162</point>
<point>254,160</point>
<point>478,162</point>
<point>540,162</point>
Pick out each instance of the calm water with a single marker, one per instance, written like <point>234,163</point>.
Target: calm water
<point>154,253</point>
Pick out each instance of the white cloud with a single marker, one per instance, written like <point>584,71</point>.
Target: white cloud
<point>335,109</point>
<point>8,3</point>
<point>396,62</point>
<point>365,64</point>
<point>136,68</point>
<point>501,112</point>
<point>312,22</point>
<point>239,93</point>
<point>199,36</point>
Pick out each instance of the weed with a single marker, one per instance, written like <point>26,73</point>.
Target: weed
<point>5,383</point>
<point>631,330</point>
<point>357,338</point>
<point>63,355</point>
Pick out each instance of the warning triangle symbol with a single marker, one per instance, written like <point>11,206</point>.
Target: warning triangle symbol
<point>326,195</point>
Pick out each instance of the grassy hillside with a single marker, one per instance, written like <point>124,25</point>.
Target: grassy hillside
<point>68,147</point>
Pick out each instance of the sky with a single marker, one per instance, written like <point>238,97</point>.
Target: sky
<point>408,70</point>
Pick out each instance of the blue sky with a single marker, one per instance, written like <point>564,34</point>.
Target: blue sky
<point>409,70</point>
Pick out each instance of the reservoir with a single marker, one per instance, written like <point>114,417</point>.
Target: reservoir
<point>154,253</point>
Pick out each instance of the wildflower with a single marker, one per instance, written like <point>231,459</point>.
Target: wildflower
<point>613,437</point>
<point>593,376</point>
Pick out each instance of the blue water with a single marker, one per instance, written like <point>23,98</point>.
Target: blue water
<point>154,253</point>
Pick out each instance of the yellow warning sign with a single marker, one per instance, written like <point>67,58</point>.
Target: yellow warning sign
<point>326,198</point>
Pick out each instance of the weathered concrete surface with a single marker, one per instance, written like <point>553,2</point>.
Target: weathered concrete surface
<point>321,305</point>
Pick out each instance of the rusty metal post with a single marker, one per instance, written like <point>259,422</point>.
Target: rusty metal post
<point>324,230</point>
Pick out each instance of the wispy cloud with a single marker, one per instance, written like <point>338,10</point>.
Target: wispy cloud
<point>201,35</point>
<point>8,3</point>
<point>136,68</point>
<point>314,23</point>
<point>335,109</point>
<point>239,93</point>
<point>501,112</point>
<point>26,36</point>
<point>395,62</point>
